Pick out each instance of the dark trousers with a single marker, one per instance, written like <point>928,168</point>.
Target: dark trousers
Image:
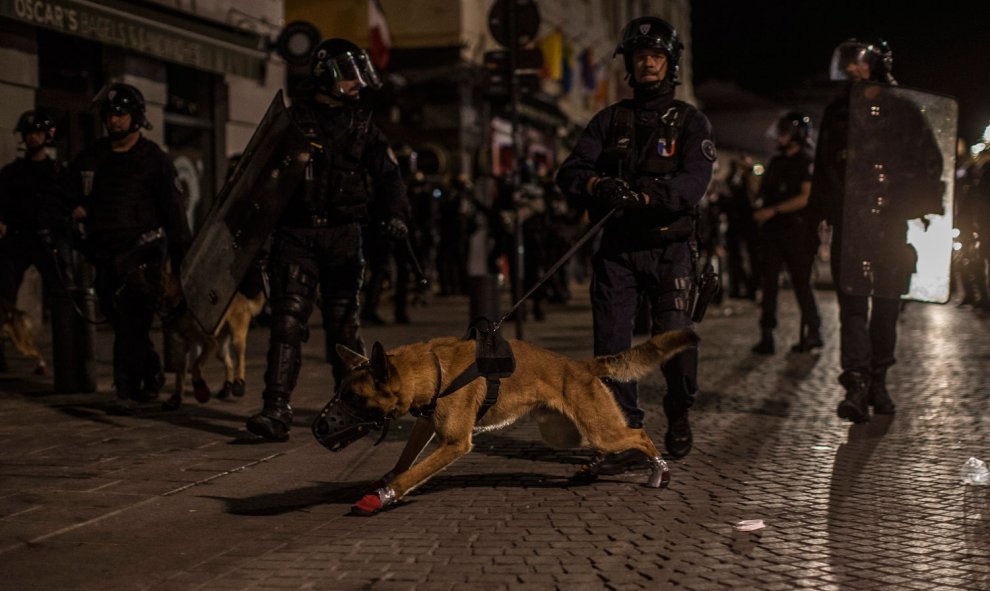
<point>788,246</point>
<point>16,255</point>
<point>129,301</point>
<point>303,259</point>
<point>663,276</point>
<point>868,327</point>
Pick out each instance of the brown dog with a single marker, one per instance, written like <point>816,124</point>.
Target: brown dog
<point>567,398</point>
<point>233,331</point>
<point>16,325</point>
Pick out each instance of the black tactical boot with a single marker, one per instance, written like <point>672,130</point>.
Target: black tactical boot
<point>854,406</point>
<point>879,397</point>
<point>678,439</point>
<point>810,339</point>
<point>765,346</point>
<point>274,420</point>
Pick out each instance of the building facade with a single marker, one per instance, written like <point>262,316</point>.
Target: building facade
<point>203,66</point>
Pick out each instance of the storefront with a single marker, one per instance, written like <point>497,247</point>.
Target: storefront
<point>57,54</point>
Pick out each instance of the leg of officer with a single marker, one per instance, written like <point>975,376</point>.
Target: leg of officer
<point>340,284</point>
<point>613,305</point>
<point>293,285</point>
<point>799,261</point>
<point>671,303</point>
<point>12,267</point>
<point>772,262</point>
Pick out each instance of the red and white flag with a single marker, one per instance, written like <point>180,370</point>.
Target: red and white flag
<point>381,40</point>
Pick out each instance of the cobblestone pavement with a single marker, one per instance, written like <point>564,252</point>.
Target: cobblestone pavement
<point>185,500</point>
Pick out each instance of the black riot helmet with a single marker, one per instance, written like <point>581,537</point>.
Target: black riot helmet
<point>336,60</point>
<point>122,99</point>
<point>37,120</point>
<point>796,126</point>
<point>872,51</point>
<point>650,32</point>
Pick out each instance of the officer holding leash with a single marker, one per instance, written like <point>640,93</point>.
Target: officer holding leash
<point>130,201</point>
<point>317,242</point>
<point>651,158</point>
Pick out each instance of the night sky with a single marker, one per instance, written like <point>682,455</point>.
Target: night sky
<point>769,47</point>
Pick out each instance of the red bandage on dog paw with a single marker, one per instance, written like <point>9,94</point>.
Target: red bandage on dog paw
<point>369,505</point>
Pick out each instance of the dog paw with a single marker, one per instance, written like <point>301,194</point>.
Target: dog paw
<point>374,502</point>
<point>225,392</point>
<point>201,391</point>
<point>238,388</point>
<point>41,368</point>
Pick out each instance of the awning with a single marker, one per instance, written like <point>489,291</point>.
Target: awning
<point>163,33</point>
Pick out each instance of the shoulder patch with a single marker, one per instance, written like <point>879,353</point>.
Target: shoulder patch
<point>708,149</point>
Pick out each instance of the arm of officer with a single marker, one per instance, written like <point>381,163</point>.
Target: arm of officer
<point>172,212</point>
<point>389,191</point>
<point>579,172</point>
<point>688,185</point>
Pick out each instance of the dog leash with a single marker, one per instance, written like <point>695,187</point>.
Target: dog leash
<point>567,255</point>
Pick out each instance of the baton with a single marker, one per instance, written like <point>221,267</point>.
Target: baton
<point>421,278</point>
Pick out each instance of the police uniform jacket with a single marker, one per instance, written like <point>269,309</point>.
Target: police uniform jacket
<point>34,197</point>
<point>354,173</point>
<point>670,159</point>
<point>128,194</point>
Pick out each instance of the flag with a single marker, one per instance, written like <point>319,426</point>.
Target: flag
<point>552,47</point>
<point>378,33</point>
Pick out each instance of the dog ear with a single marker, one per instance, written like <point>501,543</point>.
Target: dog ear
<point>350,358</point>
<point>379,363</point>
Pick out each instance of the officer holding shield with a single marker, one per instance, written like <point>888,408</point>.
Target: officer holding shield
<point>317,242</point>
<point>131,203</point>
<point>898,181</point>
<point>650,158</point>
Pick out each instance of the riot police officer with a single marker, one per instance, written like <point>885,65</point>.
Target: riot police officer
<point>650,158</point>
<point>317,242</point>
<point>787,238</point>
<point>34,209</point>
<point>134,214</point>
<point>911,176</point>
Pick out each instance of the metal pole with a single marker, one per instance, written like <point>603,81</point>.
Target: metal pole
<point>514,178</point>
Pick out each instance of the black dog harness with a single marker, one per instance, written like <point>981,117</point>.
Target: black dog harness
<point>493,361</point>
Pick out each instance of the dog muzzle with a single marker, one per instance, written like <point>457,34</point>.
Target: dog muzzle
<point>344,420</point>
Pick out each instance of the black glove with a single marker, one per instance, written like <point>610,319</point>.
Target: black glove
<point>396,229</point>
<point>617,193</point>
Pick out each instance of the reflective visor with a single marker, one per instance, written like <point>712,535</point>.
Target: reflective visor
<point>357,66</point>
<point>845,54</point>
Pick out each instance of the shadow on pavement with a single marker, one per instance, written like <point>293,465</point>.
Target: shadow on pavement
<point>300,499</point>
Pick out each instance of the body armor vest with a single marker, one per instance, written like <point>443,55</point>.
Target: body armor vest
<point>336,188</point>
<point>122,198</point>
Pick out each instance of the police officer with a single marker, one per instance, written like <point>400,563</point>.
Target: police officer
<point>788,239</point>
<point>317,242</point>
<point>868,324</point>
<point>133,210</point>
<point>34,210</point>
<point>650,158</point>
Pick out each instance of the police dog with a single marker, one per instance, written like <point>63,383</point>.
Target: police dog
<point>232,331</point>
<point>16,325</point>
<point>570,403</point>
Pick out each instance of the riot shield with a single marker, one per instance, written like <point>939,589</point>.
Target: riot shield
<point>897,212</point>
<point>244,214</point>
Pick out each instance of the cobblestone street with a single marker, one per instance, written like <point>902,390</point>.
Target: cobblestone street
<point>186,500</point>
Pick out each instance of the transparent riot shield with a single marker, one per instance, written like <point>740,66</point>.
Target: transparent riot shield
<point>244,214</point>
<point>897,209</point>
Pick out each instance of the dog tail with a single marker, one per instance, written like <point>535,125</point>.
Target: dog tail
<point>645,358</point>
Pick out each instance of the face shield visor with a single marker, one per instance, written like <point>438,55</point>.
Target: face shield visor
<point>846,54</point>
<point>356,67</point>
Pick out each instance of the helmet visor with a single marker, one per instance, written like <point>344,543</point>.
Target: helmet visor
<point>843,56</point>
<point>356,66</point>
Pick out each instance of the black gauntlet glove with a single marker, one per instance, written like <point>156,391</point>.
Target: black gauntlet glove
<point>396,229</point>
<point>617,193</point>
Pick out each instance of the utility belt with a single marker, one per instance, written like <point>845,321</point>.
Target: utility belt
<point>147,250</point>
<point>679,230</point>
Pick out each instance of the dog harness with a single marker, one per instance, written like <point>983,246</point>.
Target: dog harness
<point>493,361</point>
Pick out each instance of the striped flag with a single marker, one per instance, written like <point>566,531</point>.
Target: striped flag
<point>381,40</point>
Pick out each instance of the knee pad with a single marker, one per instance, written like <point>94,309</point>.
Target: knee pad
<point>290,316</point>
